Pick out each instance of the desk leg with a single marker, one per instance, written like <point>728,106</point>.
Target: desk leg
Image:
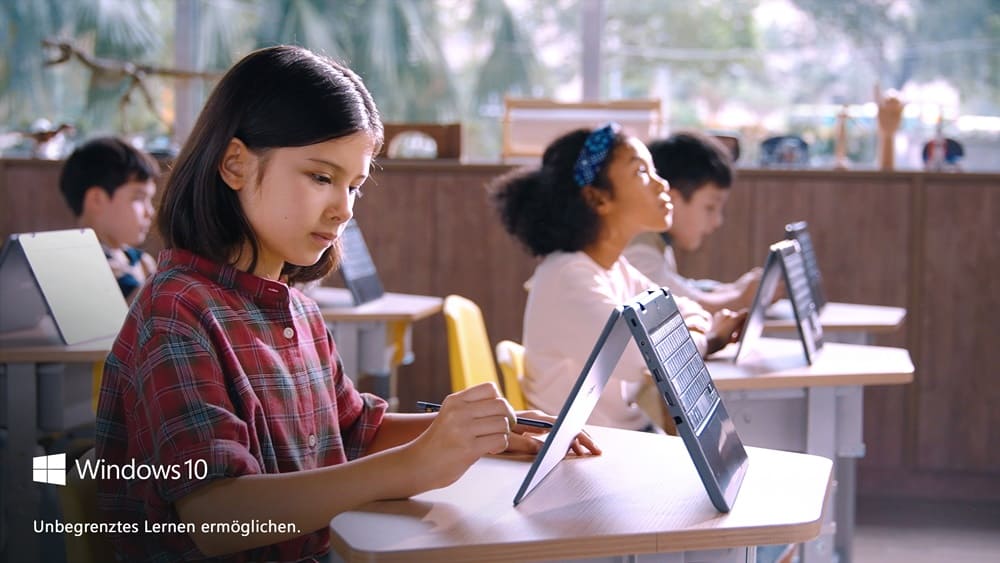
<point>20,495</point>
<point>821,439</point>
<point>846,484</point>
<point>851,446</point>
<point>345,336</point>
<point>367,357</point>
<point>850,438</point>
<point>847,464</point>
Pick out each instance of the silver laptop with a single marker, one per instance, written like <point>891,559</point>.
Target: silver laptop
<point>653,321</point>
<point>357,267</point>
<point>799,232</point>
<point>784,263</point>
<point>64,276</point>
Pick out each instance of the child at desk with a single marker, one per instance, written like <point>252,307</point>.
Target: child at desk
<point>224,366</point>
<point>594,192</point>
<point>699,170</point>
<point>109,186</point>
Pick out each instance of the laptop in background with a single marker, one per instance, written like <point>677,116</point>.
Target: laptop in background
<point>357,267</point>
<point>784,263</point>
<point>62,274</point>
<point>653,321</point>
<point>799,232</point>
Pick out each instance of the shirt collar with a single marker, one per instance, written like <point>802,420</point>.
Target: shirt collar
<point>265,292</point>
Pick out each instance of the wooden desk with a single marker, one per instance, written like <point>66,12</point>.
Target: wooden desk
<point>839,318</point>
<point>364,333</point>
<point>779,401</point>
<point>778,363</point>
<point>641,496</point>
<point>27,369</point>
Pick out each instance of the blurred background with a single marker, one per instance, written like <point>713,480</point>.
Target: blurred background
<point>750,68</point>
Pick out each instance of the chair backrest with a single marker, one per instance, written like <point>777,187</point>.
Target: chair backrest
<point>510,356</point>
<point>78,500</point>
<point>470,356</point>
<point>529,125</point>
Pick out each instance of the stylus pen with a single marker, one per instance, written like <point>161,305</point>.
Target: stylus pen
<point>434,407</point>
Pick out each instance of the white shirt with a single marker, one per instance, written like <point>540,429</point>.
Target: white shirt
<point>654,258</point>
<point>570,298</point>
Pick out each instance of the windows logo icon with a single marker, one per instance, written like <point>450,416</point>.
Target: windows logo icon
<point>49,469</point>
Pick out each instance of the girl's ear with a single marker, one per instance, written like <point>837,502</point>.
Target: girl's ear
<point>598,200</point>
<point>235,167</point>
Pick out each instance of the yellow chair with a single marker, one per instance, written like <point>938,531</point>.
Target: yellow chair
<point>510,356</point>
<point>96,375</point>
<point>78,500</point>
<point>470,356</point>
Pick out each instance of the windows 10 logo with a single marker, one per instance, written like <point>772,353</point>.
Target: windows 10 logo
<point>49,469</point>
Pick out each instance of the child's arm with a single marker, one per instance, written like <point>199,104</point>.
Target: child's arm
<point>397,429</point>
<point>736,295</point>
<point>472,423</point>
<point>712,333</point>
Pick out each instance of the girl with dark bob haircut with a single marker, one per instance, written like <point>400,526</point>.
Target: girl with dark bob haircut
<point>224,376</point>
<point>594,192</point>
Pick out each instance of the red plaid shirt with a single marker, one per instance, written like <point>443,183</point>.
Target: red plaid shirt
<point>219,365</point>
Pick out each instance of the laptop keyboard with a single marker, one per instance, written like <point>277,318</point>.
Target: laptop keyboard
<point>687,372</point>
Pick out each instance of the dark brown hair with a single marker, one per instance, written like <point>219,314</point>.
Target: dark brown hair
<point>282,96</point>
<point>689,161</point>
<point>105,162</point>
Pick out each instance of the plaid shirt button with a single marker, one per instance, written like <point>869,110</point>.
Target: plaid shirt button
<point>288,332</point>
<point>312,440</point>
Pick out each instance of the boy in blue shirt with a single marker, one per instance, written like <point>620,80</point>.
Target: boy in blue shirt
<point>109,186</point>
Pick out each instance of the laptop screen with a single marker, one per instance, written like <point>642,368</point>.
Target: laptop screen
<point>653,321</point>
<point>581,401</point>
<point>357,267</point>
<point>70,275</point>
<point>800,232</point>
<point>784,263</point>
<point>754,326</point>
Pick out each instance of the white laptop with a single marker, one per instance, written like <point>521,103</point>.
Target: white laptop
<point>57,287</point>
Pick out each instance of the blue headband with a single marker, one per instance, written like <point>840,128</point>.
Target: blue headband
<point>594,154</point>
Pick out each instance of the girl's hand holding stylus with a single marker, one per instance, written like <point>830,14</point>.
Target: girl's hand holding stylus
<point>471,423</point>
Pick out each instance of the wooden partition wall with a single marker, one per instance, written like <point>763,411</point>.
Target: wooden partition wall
<point>927,242</point>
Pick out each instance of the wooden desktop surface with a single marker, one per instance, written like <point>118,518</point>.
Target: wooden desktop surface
<point>839,317</point>
<point>642,495</point>
<point>42,345</point>
<point>336,306</point>
<point>781,363</point>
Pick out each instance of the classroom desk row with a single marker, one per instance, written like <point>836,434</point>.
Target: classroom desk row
<point>624,504</point>
<point>851,323</point>
<point>812,396</point>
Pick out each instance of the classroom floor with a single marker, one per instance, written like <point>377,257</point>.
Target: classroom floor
<point>914,531</point>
